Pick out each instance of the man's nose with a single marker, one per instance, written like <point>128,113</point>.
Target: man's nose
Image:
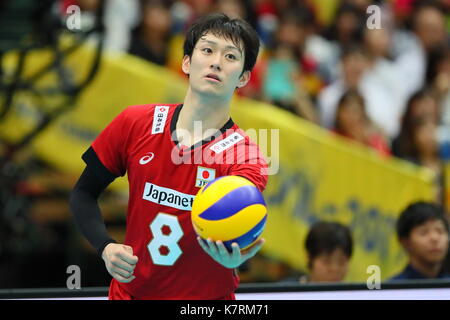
<point>215,62</point>
<point>215,66</point>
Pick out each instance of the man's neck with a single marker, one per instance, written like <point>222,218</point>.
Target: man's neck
<point>209,113</point>
<point>430,270</point>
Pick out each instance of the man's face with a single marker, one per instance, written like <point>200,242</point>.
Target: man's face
<point>215,67</point>
<point>329,267</point>
<point>428,242</point>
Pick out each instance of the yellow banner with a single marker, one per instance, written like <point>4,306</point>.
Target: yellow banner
<point>323,177</point>
<point>318,175</point>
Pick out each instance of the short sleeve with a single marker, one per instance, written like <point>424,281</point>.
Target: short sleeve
<point>109,149</point>
<point>250,164</point>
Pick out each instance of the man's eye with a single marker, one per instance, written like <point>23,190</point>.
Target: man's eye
<point>231,56</point>
<point>207,50</point>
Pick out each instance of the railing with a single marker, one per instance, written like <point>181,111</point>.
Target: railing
<point>433,289</point>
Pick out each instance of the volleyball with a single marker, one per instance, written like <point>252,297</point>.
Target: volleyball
<point>230,209</point>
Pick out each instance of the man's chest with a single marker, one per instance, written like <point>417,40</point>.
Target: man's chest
<point>156,159</point>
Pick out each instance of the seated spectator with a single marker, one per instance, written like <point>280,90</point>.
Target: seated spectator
<point>380,105</point>
<point>151,38</point>
<point>418,139</point>
<point>422,230</point>
<point>421,105</point>
<point>346,29</point>
<point>232,8</point>
<point>289,79</point>
<point>279,84</point>
<point>387,71</point>
<point>329,246</point>
<point>353,122</point>
<point>428,24</point>
<point>438,75</point>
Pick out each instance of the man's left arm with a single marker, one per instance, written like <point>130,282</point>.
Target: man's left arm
<point>254,168</point>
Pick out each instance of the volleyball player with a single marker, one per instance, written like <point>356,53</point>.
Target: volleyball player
<point>157,146</point>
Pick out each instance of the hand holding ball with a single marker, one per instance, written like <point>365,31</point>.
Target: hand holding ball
<point>230,209</point>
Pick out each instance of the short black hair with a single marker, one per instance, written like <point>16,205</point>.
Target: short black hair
<point>416,214</point>
<point>238,31</point>
<point>325,237</point>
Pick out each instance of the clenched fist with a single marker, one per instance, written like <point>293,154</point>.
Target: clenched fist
<point>120,262</point>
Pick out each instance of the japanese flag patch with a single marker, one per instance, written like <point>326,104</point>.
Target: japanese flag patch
<point>204,175</point>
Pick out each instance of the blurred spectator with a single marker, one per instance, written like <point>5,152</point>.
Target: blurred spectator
<point>417,141</point>
<point>288,73</point>
<point>345,30</point>
<point>387,72</point>
<point>353,63</point>
<point>420,30</point>
<point>151,38</point>
<point>422,149</point>
<point>377,42</point>
<point>422,230</point>
<point>428,24</point>
<point>266,20</point>
<point>185,12</point>
<point>348,25</point>
<point>407,52</point>
<point>353,122</point>
<point>380,106</point>
<point>329,246</point>
<point>232,8</point>
<point>279,81</point>
<point>438,76</point>
<point>119,17</point>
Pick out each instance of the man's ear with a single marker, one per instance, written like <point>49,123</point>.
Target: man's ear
<point>244,79</point>
<point>186,64</point>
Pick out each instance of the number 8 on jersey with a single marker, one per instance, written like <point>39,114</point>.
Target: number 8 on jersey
<point>162,241</point>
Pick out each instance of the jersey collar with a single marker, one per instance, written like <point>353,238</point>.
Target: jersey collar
<point>173,125</point>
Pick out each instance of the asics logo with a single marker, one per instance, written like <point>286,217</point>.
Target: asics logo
<point>147,159</point>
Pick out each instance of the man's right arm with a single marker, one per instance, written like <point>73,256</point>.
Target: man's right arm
<point>86,211</point>
<point>119,259</point>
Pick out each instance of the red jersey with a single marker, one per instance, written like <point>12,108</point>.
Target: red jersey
<point>163,181</point>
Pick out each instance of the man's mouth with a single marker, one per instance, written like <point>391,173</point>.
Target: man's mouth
<point>213,76</point>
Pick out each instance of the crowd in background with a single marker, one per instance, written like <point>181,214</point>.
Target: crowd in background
<point>386,86</point>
